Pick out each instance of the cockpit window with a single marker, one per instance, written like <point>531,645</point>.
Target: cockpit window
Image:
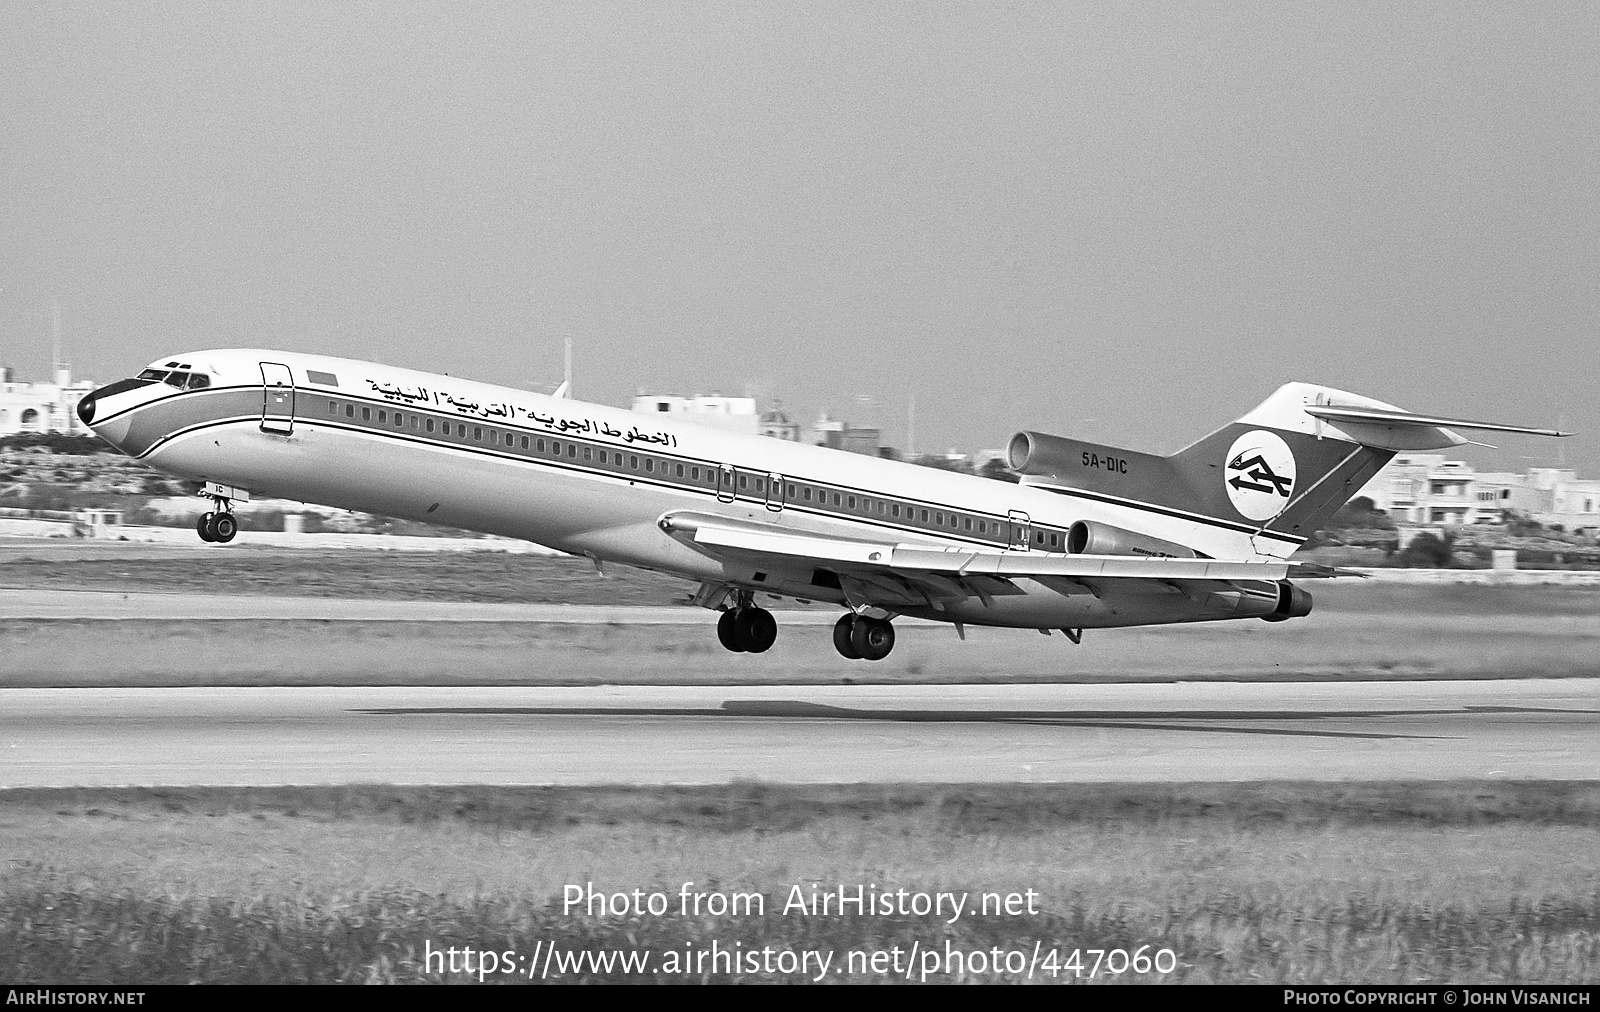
<point>176,378</point>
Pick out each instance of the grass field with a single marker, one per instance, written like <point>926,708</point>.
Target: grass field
<point>1282,882</point>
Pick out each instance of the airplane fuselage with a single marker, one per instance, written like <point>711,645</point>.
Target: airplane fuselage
<point>596,481</point>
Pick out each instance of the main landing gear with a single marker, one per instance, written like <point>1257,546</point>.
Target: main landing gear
<point>747,629</point>
<point>863,639</point>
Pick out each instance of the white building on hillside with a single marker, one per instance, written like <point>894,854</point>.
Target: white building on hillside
<point>42,407</point>
<point>736,414</point>
<point>1426,488</point>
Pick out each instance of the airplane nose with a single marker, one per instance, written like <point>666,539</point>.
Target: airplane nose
<point>86,409</point>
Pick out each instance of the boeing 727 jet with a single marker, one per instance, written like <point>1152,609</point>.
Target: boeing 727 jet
<point>1093,536</point>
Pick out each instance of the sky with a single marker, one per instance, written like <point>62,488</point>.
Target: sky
<point>1122,222</point>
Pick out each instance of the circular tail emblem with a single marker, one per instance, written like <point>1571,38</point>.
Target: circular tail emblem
<point>1260,475</point>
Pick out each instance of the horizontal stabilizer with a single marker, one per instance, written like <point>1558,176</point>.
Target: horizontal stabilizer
<point>1375,417</point>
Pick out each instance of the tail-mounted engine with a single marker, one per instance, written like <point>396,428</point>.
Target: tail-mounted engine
<point>1089,538</point>
<point>1292,603</point>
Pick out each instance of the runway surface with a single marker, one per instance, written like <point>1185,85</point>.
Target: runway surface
<point>1533,729</point>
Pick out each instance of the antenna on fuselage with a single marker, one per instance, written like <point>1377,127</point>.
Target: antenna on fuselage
<point>565,389</point>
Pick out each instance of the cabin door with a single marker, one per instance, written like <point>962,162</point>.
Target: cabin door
<point>277,398</point>
<point>1020,531</point>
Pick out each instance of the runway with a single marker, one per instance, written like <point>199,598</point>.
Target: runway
<point>1367,731</point>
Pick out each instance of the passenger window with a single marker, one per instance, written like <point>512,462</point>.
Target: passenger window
<point>806,493</point>
<point>966,525</point>
<point>477,432</point>
<point>633,462</point>
<point>894,510</point>
<point>983,528</point>
<point>447,428</point>
<point>555,447</point>
<point>649,464</point>
<point>539,446</point>
<point>524,442</point>
<point>694,474</point>
<point>572,450</point>
<point>366,414</point>
<point>680,470</point>
<point>413,423</point>
<point>349,410</point>
<point>399,420</point>
<point>836,498</point>
<point>852,502</point>
<point>791,491</point>
<point>333,409</point>
<point>744,481</point>
<point>924,516</point>
<point>761,485</point>
<point>383,417</point>
<point>1052,541</point>
<point>603,456</point>
<point>588,454</point>
<point>430,425</point>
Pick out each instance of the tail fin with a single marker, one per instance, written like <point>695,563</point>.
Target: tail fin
<point>1285,467</point>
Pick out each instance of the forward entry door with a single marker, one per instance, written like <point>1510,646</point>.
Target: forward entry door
<point>277,398</point>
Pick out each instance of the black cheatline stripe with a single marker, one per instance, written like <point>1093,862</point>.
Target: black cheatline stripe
<point>590,471</point>
<point>1176,514</point>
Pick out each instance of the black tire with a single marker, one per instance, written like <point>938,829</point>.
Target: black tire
<point>841,637</point>
<point>728,632</point>
<point>224,527</point>
<point>872,638</point>
<point>758,630</point>
<point>203,526</point>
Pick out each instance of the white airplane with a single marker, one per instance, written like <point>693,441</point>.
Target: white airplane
<point>1093,537</point>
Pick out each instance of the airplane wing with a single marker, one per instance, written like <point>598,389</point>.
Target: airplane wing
<point>908,574</point>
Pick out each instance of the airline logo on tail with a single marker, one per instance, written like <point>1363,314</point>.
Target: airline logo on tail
<point>1260,475</point>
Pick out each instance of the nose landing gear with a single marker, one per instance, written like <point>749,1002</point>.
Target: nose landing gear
<point>860,638</point>
<point>219,526</point>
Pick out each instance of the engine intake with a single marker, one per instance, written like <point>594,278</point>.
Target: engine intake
<point>1292,603</point>
<point>1088,538</point>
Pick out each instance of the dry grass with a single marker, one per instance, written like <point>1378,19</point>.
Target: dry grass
<point>1349,883</point>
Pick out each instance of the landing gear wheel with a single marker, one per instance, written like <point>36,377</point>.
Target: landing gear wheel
<point>203,526</point>
<point>223,527</point>
<point>758,630</point>
<point>841,637</point>
<point>728,632</point>
<point>872,638</point>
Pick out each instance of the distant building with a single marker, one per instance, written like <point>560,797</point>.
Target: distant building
<point>839,435</point>
<point>778,425</point>
<point>735,414</point>
<point>42,407</point>
<point>1425,488</point>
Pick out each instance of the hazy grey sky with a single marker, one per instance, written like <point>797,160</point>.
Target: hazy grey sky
<point>1125,222</point>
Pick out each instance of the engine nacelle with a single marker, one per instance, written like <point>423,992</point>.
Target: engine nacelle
<point>1292,603</point>
<point>1089,538</point>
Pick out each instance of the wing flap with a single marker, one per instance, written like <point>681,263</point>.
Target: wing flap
<point>945,572</point>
